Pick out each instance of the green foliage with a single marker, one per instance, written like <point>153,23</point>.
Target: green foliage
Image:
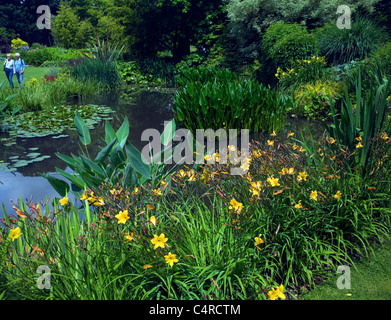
<point>47,55</point>
<point>191,61</point>
<point>217,98</point>
<point>314,100</point>
<point>6,106</point>
<point>46,94</point>
<point>131,75</point>
<point>360,123</point>
<point>104,73</point>
<point>285,44</point>
<point>344,45</point>
<point>67,29</point>
<point>118,162</point>
<point>104,51</point>
<point>302,72</point>
<point>158,68</point>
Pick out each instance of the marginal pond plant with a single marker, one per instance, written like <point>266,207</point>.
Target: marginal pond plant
<point>117,162</point>
<point>213,98</point>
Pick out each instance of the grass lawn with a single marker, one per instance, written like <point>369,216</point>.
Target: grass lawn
<point>34,72</point>
<point>370,281</point>
<point>30,72</point>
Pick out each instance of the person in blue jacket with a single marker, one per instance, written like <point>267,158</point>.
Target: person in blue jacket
<point>9,68</point>
<point>19,69</point>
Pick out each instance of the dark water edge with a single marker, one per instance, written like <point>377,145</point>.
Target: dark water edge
<point>148,109</point>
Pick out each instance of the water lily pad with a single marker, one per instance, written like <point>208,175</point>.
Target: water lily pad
<point>4,164</point>
<point>33,149</point>
<point>21,163</point>
<point>61,136</point>
<point>39,159</point>
<point>33,154</point>
<point>14,157</point>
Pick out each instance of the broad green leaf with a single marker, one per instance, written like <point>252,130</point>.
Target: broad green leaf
<point>102,155</point>
<point>82,130</point>
<point>74,179</point>
<point>136,160</point>
<point>123,132</point>
<point>59,185</point>
<point>109,133</point>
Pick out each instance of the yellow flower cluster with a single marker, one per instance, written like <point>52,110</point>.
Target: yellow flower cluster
<point>284,74</point>
<point>92,199</point>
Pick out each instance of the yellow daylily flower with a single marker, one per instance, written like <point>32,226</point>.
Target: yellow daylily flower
<point>159,241</point>
<point>64,201</point>
<point>170,259</point>
<point>274,294</point>
<point>270,142</point>
<point>337,195</point>
<point>314,195</point>
<point>302,176</point>
<point>235,205</point>
<point>129,236</point>
<point>15,233</point>
<point>122,217</point>
<point>290,134</point>
<point>258,240</point>
<point>299,205</point>
<point>273,181</point>
<point>100,202</point>
<point>153,221</point>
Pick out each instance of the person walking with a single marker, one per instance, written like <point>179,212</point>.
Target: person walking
<point>19,69</point>
<point>9,68</point>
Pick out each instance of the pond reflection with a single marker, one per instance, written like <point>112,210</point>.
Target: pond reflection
<point>148,109</point>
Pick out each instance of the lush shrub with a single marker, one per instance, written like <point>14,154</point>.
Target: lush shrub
<point>285,43</point>
<point>46,56</point>
<point>105,73</point>
<point>217,98</point>
<point>382,56</point>
<point>131,75</point>
<point>315,100</point>
<point>18,44</point>
<point>67,29</point>
<point>303,71</point>
<point>344,45</point>
<point>159,69</point>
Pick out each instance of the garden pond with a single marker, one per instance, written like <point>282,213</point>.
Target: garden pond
<point>25,154</point>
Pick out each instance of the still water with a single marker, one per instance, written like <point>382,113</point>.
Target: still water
<point>149,109</point>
